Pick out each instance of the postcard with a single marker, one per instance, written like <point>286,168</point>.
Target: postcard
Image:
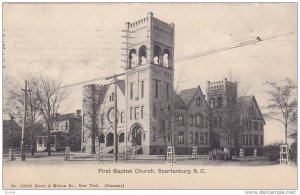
<point>150,96</point>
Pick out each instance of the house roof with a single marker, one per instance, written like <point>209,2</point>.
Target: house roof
<point>187,94</point>
<point>67,117</point>
<point>8,125</point>
<point>246,101</point>
<point>179,103</point>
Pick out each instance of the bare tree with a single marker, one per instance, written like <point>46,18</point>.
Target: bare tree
<point>50,95</point>
<point>16,106</point>
<point>93,99</point>
<point>282,104</point>
<point>163,121</point>
<point>227,118</point>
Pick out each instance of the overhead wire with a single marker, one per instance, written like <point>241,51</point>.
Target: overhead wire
<point>206,52</point>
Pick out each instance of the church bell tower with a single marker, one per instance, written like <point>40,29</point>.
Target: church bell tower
<point>149,78</point>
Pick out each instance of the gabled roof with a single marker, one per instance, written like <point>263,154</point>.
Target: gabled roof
<point>178,102</point>
<point>8,125</point>
<point>187,95</point>
<point>121,84</point>
<point>246,101</point>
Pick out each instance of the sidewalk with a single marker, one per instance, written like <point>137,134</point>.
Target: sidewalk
<point>85,158</point>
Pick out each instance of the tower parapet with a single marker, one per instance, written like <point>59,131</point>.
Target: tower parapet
<point>221,93</point>
<point>149,41</point>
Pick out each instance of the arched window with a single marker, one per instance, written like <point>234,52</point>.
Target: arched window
<point>198,120</point>
<point>180,120</point>
<point>255,125</point>
<point>198,101</point>
<point>132,58</point>
<point>109,139</point>
<point>142,55</point>
<point>157,55</point>
<point>121,138</point>
<point>166,58</point>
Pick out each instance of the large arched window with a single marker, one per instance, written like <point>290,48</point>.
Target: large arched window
<point>157,55</point>
<point>166,58</point>
<point>142,55</point>
<point>132,58</point>
<point>109,139</point>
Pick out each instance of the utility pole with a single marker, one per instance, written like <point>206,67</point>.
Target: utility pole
<point>12,138</point>
<point>24,121</point>
<point>115,81</point>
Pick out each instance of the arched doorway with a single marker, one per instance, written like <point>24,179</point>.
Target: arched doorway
<point>215,140</point>
<point>136,135</point>
<point>109,139</point>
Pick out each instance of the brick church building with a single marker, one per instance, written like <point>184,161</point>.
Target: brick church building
<point>151,115</point>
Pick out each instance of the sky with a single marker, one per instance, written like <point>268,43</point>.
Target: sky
<point>78,42</point>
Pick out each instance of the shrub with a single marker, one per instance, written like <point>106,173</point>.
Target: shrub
<point>293,152</point>
<point>272,152</point>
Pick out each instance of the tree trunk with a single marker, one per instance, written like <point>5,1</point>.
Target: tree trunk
<point>165,144</point>
<point>286,127</point>
<point>32,141</point>
<point>32,145</point>
<point>93,149</point>
<point>48,144</point>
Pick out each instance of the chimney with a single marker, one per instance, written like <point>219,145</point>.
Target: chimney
<point>78,112</point>
<point>57,114</point>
